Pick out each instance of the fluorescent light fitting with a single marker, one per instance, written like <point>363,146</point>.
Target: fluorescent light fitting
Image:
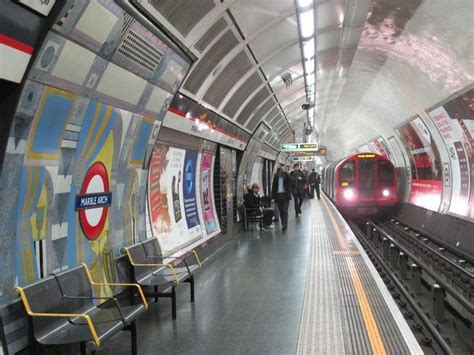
<point>308,49</point>
<point>309,66</point>
<point>307,23</point>
<point>304,3</point>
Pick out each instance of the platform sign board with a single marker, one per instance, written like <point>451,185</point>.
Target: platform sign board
<point>310,158</point>
<point>455,122</point>
<point>304,148</point>
<point>425,162</point>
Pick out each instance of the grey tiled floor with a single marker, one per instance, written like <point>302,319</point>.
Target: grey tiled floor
<point>249,300</point>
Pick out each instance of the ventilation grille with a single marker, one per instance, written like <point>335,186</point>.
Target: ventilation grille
<point>252,105</point>
<point>183,14</point>
<point>208,62</point>
<point>227,78</point>
<point>241,94</point>
<point>127,22</point>
<point>260,113</point>
<point>210,34</point>
<point>136,49</point>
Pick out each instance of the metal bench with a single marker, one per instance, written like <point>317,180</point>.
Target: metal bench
<point>63,309</point>
<point>252,215</point>
<point>148,270</point>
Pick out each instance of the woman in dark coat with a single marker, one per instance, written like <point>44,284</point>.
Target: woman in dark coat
<point>252,203</point>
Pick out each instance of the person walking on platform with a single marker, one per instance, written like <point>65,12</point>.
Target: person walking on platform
<point>297,187</point>
<point>314,181</point>
<point>252,203</point>
<point>281,193</point>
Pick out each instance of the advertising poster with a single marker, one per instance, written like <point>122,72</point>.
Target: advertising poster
<point>167,212</point>
<point>455,122</point>
<point>189,193</point>
<point>207,195</point>
<point>425,164</point>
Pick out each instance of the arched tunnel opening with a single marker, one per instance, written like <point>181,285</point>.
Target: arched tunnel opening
<point>306,167</point>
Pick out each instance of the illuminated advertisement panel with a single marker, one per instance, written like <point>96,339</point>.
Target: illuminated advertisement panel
<point>455,122</point>
<point>425,164</point>
<point>207,194</point>
<point>172,198</point>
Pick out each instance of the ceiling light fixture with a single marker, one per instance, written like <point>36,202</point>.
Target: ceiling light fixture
<point>304,3</point>
<point>308,49</point>
<point>307,23</point>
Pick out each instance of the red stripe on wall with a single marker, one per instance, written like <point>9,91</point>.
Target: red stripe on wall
<point>8,41</point>
<point>182,114</point>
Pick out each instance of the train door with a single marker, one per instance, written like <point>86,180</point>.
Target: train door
<point>366,177</point>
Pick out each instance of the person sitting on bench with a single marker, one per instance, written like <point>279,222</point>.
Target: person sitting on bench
<point>254,207</point>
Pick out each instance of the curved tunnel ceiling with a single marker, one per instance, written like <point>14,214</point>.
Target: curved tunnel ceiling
<point>377,62</point>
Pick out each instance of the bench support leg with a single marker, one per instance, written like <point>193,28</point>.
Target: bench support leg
<point>173,302</point>
<point>133,329</point>
<point>191,286</point>
<point>31,338</point>
<point>83,348</point>
<point>156,293</point>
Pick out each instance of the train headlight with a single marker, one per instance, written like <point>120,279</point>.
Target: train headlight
<point>385,193</point>
<point>348,194</point>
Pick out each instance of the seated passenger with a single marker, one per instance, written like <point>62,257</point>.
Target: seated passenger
<point>252,203</point>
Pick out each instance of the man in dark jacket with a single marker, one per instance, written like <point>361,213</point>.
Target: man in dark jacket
<point>298,182</point>
<point>281,193</point>
<point>252,203</point>
<point>314,181</point>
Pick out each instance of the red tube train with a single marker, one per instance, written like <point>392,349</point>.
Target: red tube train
<point>362,185</point>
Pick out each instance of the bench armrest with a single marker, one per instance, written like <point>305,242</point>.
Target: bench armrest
<point>198,261</point>
<point>197,258</point>
<point>176,280</point>
<point>114,299</point>
<point>140,291</point>
<point>86,317</point>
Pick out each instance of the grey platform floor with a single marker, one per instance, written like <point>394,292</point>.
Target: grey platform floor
<point>250,298</point>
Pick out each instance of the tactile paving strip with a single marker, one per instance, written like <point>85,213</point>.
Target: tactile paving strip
<point>347,309</point>
<point>321,327</point>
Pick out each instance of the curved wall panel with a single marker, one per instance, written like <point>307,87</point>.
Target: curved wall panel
<point>75,170</point>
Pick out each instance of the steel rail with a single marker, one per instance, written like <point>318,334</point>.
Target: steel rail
<point>419,312</point>
<point>438,254</point>
<point>454,293</point>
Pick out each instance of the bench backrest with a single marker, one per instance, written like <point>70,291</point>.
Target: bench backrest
<point>153,250</point>
<point>138,255</point>
<point>75,283</point>
<point>45,296</point>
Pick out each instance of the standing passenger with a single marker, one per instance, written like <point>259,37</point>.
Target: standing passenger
<point>298,182</point>
<point>281,193</point>
<point>314,181</point>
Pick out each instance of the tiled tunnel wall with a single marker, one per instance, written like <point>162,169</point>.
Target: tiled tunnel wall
<point>90,108</point>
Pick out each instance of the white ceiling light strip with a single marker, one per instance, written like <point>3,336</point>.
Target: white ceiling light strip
<point>306,17</point>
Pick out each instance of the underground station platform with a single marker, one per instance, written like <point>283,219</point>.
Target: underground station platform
<point>309,290</point>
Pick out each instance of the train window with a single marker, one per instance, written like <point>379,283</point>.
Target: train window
<point>385,171</point>
<point>348,172</point>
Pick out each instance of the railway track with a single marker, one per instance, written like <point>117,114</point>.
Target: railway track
<point>454,268</point>
<point>432,287</point>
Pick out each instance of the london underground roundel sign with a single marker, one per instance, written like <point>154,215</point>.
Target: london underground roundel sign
<point>94,200</point>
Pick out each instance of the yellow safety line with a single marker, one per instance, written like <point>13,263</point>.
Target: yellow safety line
<point>375,339</point>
